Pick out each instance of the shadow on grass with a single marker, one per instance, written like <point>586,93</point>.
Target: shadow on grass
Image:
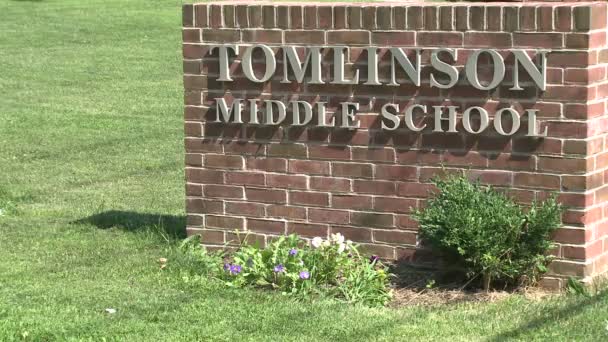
<point>169,225</point>
<point>549,317</point>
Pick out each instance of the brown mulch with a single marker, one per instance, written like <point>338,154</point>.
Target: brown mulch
<point>426,287</point>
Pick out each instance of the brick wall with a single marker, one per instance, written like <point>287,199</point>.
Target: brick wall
<point>270,180</point>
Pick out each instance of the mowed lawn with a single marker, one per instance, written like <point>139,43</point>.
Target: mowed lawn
<point>91,187</point>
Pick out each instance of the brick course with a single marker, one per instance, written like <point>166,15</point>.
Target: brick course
<point>270,180</point>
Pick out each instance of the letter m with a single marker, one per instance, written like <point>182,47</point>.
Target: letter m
<point>222,110</point>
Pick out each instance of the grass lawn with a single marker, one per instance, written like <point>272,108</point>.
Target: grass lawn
<point>91,159</point>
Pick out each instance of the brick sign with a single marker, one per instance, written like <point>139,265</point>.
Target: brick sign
<point>318,119</point>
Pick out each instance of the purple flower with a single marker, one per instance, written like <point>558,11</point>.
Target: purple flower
<point>304,275</point>
<point>233,269</point>
<point>293,252</point>
<point>279,268</point>
<point>373,258</point>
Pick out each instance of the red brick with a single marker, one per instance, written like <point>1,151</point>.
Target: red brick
<point>223,191</point>
<point>562,165</point>
<point>538,40</point>
<point>527,18</point>
<point>309,167</point>
<point>223,161</point>
<point>350,37</point>
<point>224,222</point>
<point>205,176</point>
<point>262,36</point>
<point>287,181</point>
<point>419,190</point>
<point>329,152</point>
<point>374,187</point>
<point>307,229</point>
<point>373,154</point>
<point>267,164</point>
<point>395,237</point>
<point>210,236</point>
<point>354,170</point>
<point>563,18</point>
<point>328,216</point>
<point>305,37</point>
<point>201,206</point>
<point>353,202</point>
<point>571,236</point>
<point>266,195</point>
<point>391,39</point>
<point>396,172</point>
<point>415,18</point>
<point>188,15</point>
<point>246,239</point>
<point>194,189</point>
<point>382,251</point>
<point>394,204</point>
<point>245,208</point>
<point>266,226</point>
<point>356,234</point>
<point>318,199</point>
<point>534,180</point>
<point>330,184</point>
<point>486,39</point>
<point>440,39</point>
<point>220,35</point>
<point>288,212</point>
<point>372,219</point>
<point>287,150</point>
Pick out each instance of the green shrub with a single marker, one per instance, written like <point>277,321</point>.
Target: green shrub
<point>487,233</point>
<point>332,267</point>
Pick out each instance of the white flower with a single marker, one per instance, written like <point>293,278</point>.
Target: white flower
<point>341,248</point>
<point>337,238</point>
<point>316,242</point>
<point>326,243</point>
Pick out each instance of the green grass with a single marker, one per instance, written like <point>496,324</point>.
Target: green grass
<point>91,157</point>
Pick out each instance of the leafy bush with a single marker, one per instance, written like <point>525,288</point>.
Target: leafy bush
<point>332,267</point>
<point>488,233</point>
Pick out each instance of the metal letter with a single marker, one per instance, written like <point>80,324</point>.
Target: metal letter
<point>392,117</point>
<point>412,72</point>
<point>270,62</point>
<point>471,69</point>
<point>270,112</point>
<point>224,60</point>
<point>339,61</point>
<point>409,118</point>
<point>539,76</point>
<point>514,118</point>
<point>322,114</point>
<point>296,112</point>
<point>533,125</point>
<point>451,118</point>
<point>221,108</point>
<point>466,120</point>
<point>348,115</point>
<point>445,68</point>
<point>253,112</point>
<point>372,66</point>
<point>313,56</point>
